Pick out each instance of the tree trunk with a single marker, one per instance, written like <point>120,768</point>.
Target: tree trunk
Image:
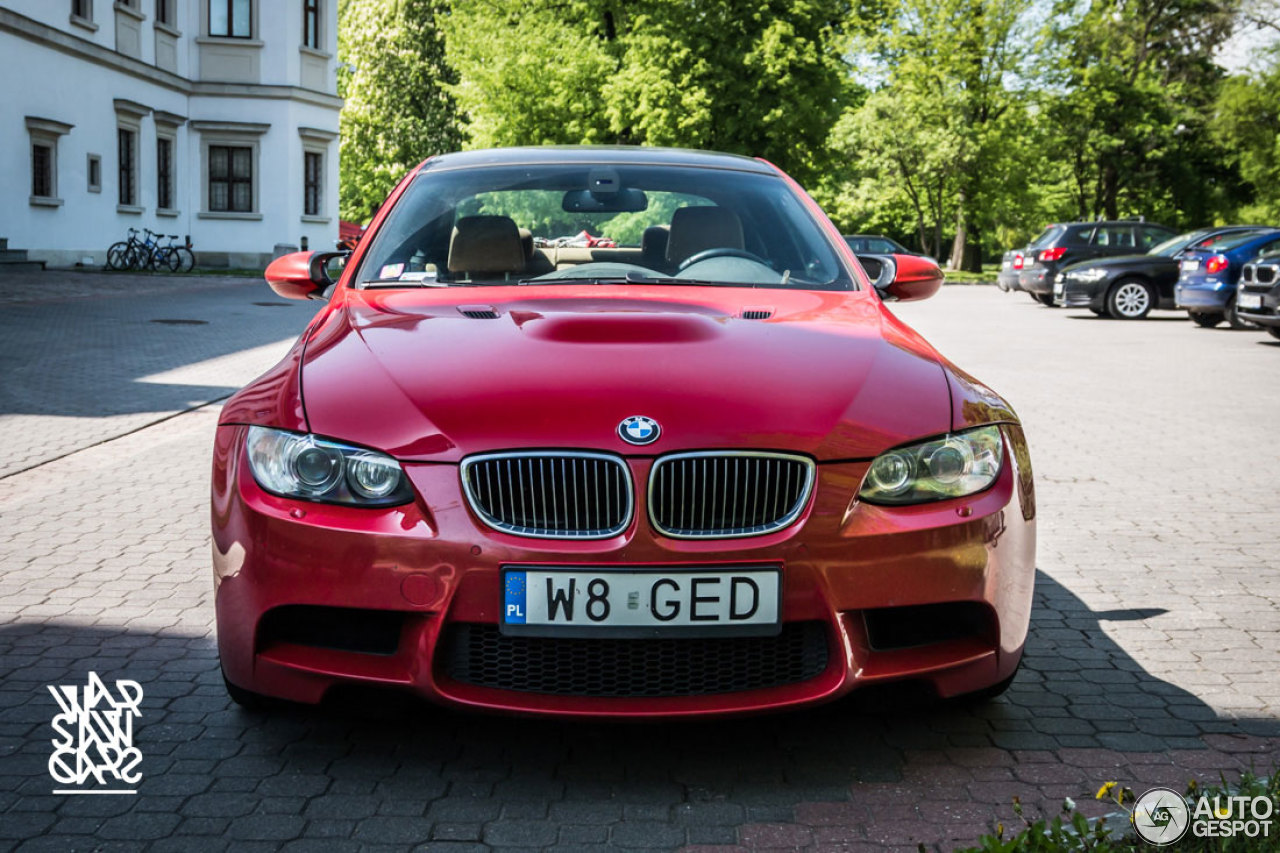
<point>966,249</point>
<point>1110,191</point>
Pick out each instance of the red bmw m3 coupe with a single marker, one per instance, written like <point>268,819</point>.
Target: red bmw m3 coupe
<point>615,432</point>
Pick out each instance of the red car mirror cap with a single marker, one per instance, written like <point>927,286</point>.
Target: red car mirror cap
<point>301,275</point>
<point>915,278</point>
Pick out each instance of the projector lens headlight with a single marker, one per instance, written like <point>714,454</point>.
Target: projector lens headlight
<point>952,467</point>
<point>294,465</point>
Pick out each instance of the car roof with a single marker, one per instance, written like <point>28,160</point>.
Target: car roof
<point>868,237</point>
<point>604,155</point>
<point>1094,223</point>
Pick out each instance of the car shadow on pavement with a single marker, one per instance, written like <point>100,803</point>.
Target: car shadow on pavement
<point>93,358</point>
<point>396,770</point>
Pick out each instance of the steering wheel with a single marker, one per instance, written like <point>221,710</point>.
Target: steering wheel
<point>722,252</point>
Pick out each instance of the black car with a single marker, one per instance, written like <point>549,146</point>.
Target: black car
<point>1065,243</point>
<point>875,244</point>
<point>1258,293</point>
<point>1128,287</point>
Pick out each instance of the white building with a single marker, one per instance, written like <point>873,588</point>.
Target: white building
<point>216,119</point>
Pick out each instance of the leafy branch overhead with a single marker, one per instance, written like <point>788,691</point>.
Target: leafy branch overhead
<point>960,126</point>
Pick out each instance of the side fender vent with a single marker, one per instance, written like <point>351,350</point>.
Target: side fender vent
<point>757,313</point>
<point>478,312</point>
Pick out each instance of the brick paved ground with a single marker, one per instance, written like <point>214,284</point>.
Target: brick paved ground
<point>87,356</point>
<point>1152,658</point>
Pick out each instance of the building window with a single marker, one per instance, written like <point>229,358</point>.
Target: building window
<point>312,181</point>
<point>311,23</point>
<point>164,173</point>
<point>42,170</point>
<point>231,18</point>
<point>164,13</point>
<point>95,173</point>
<point>82,9</point>
<point>127,141</point>
<point>44,134</point>
<point>230,179</point>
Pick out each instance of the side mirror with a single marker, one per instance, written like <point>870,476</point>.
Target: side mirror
<point>301,275</point>
<point>907,278</point>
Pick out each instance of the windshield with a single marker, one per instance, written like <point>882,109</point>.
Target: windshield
<point>1227,242</point>
<point>1173,245</point>
<point>567,223</point>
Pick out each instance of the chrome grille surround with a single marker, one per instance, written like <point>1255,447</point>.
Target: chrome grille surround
<point>550,494</point>
<point>686,488</point>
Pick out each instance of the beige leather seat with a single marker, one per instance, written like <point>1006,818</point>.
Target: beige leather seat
<point>696,229</point>
<point>488,245</point>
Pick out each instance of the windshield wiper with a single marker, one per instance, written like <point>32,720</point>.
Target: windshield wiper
<point>636,278</point>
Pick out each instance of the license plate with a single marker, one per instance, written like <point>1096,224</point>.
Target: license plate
<point>1249,300</point>
<point>641,603</point>
<point>1190,266</point>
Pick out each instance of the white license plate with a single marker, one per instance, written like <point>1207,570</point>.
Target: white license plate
<point>1190,266</point>
<point>649,602</point>
<point>1249,300</point>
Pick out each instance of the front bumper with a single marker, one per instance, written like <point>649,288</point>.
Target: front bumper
<point>1083,294</point>
<point>427,577</point>
<point>1269,313</point>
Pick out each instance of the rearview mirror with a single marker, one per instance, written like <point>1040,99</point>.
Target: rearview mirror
<point>301,275</point>
<point>903,278</point>
<point>622,201</point>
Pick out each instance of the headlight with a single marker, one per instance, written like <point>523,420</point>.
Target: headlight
<point>315,469</point>
<point>951,467</point>
<point>1090,274</point>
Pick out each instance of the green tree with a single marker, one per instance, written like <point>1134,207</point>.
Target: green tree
<point>1132,84</point>
<point>937,132</point>
<point>760,78</point>
<point>398,109</point>
<point>1247,124</point>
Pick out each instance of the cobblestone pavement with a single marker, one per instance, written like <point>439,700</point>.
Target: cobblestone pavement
<point>88,356</point>
<point>1152,657</point>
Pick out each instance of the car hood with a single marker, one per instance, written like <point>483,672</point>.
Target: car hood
<point>1123,262</point>
<point>440,374</point>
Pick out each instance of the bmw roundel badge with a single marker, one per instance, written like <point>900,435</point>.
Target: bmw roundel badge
<point>638,429</point>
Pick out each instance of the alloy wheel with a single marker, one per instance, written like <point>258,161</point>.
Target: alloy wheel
<point>1131,301</point>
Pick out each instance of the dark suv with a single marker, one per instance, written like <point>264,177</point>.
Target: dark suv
<point>1067,242</point>
<point>1258,292</point>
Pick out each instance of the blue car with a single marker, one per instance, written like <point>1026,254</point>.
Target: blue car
<point>1207,280</point>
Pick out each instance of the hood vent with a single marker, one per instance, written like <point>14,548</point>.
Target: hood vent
<point>478,312</point>
<point>757,313</point>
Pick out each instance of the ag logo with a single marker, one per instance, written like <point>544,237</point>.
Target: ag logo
<point>638,429</point>
<point>1161,816</point>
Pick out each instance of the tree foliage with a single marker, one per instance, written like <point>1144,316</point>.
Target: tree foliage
<point>398,110</point>
<point>759,78</point>
<point>960,125</point>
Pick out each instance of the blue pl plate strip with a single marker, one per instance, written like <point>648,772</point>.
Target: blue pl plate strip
<point>514,609</point>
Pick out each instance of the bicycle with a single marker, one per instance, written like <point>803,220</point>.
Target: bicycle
<point>132,253</point>
<point>174,257</point>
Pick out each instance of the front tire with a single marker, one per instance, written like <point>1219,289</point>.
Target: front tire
<point>1045,299</point>
<point>1130,299</point>
<point>1274,331</point>
<point>119,256</point>
<point>1207,320</point>
<point>1101,312</point>
<point>986,694</point>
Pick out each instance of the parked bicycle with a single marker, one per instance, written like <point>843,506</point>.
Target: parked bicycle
<point>148,253</point>
<point>175,257</point>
